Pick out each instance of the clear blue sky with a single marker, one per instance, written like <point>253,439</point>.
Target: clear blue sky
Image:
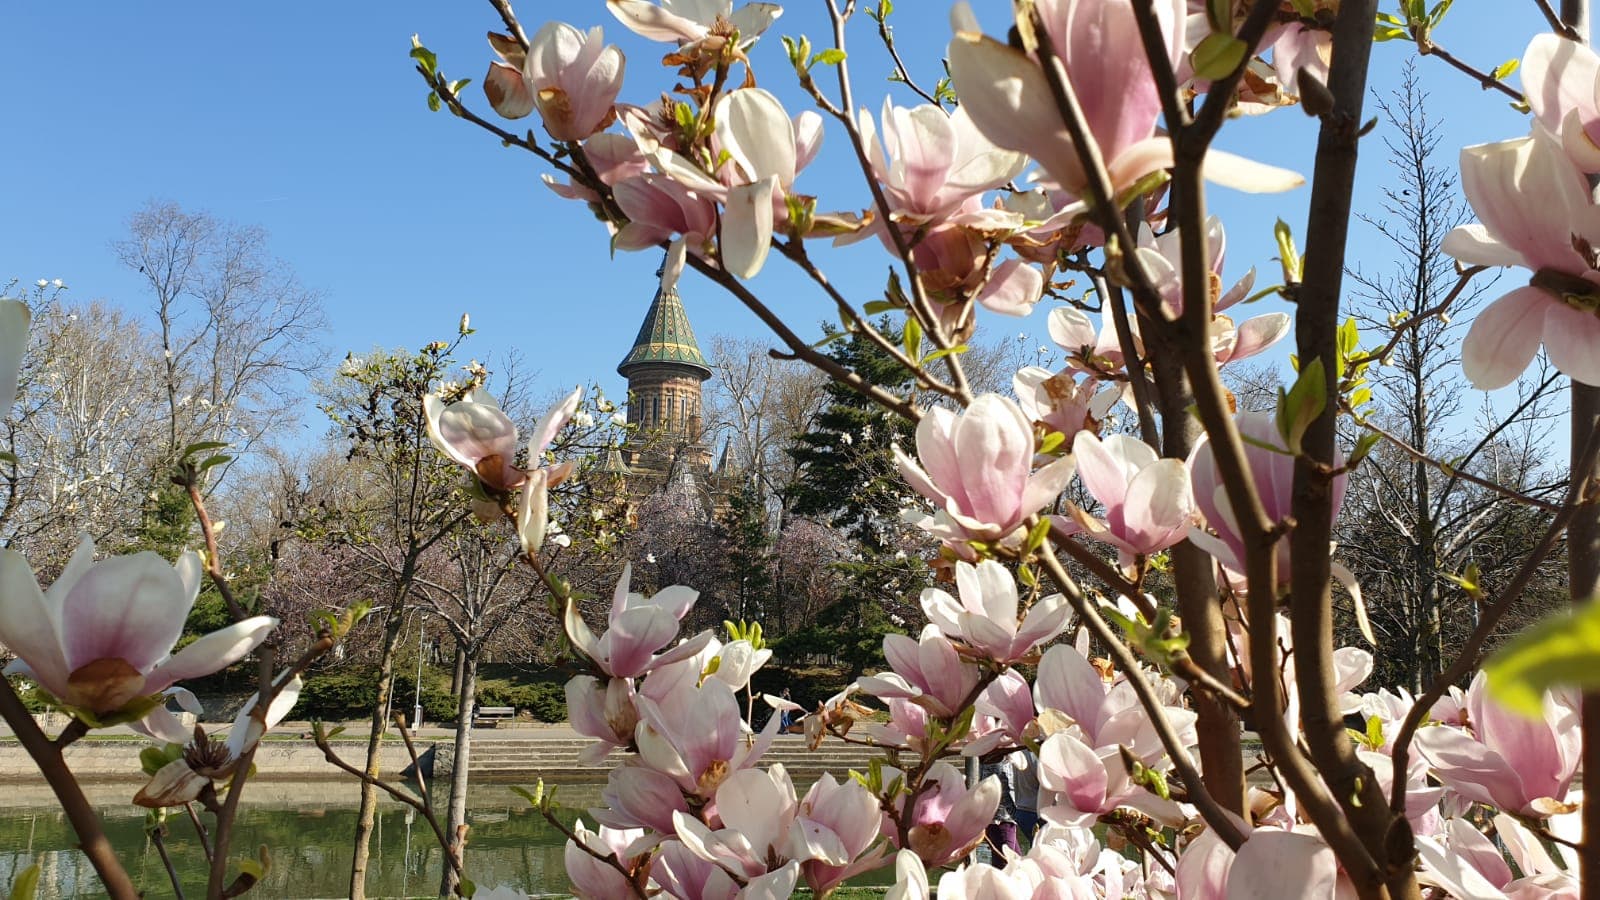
<point>306,118</point>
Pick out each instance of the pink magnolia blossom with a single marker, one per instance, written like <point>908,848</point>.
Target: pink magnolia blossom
<point>639,797</point>
<point>1271,858</point>
<point>474,432</point>
<point>591,878</point>
<point>1103,714</point>
<point>1096,353</point>
<point>758,813</point>
<point>603,711</point>
<point>1148,504</point>
<point>977,467</point>
<point>693,732</point>
<point>1078,784</point>
<point>572,78</point>
<point>985,618</point>
<point>638,627</point>
<point>1518,765</point>
<point>949,818</point>
<point>683,875</point>
<point>14,319</point>
<point>839,816</point>
<point>1060,402</point>
<point>1009,99</point>
<point>614,157</point>
<point>1004,712</point>
<point>928,671</point>
<point>1561,80</point>
<point>931,162</point>
<point>1464,862</point>
<point>1273,474</point>
<point>1536,213</point>
<point>692,21</point>
<point>100,639</point>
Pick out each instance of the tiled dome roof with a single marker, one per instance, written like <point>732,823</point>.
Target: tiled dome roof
<point>666,337</point>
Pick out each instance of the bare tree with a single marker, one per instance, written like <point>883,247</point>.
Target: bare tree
<point>236,329</point>
<point>1410,523</point>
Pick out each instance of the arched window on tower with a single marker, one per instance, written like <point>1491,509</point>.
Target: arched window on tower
<point>655,412</point>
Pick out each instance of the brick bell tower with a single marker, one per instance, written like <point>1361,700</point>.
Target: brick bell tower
<point>665,371</point>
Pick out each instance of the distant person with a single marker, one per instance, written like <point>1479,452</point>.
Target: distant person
<point>1025,788</point>
<point>786,717</point>
<point>1002,832</point>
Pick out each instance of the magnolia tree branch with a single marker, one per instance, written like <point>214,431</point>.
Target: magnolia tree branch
<point>845,114</point>
<point>85,821</point>
<point>1485,80</point>
<point>1412,322</point>
<point>1386,837</point>
<point>1452,471</point>
<point>1215,814</point>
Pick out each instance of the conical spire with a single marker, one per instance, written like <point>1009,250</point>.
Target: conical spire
<point>666,337</point>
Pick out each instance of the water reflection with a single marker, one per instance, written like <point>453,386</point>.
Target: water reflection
<point>306,828</point>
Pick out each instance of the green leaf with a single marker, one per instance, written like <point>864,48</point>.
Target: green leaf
<point>1504,70</point>
<point>433,101</point>
<point>200,447</point>
<point>912,338</point>
<point>1219,15</point>
<point>1364,445</point>
<point>466,888</point>
<point>829,57</point>
<point>1052,442</point>
<point>216,460</point>
<point>1302,404</point>
<point>873,307</point>
<point>426,59</point>
<point>1436,15</point>
<point>26,884</point>
<point>1561,651</point>
<point>940,354</point>
<point>1287,254</point>
<point>1218,54</point>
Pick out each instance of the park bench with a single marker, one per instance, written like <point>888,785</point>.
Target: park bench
<point>493,715</point>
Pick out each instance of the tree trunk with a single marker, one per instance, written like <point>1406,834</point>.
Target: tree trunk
<point>367,816</point>
<point>456,823</point>
<point>456,671</point>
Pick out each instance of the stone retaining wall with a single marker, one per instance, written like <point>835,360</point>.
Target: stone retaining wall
<point>119,760</point>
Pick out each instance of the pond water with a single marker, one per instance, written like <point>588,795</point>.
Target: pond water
<point>307,829</point>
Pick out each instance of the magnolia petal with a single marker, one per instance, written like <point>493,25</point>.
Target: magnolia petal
<point>14,320</point>
<point>1572,340</point>
<point>212,653</point>
<point>1231,171</point>
<point>650,21</point>
<point>758,134</point>
<point>1009,100</point>
<point>533,513</point>
<point>1474,245</point>
<point>162,726</point>
<point>26,626</point>
<point>1270,859</point>
<point>507,91</point>
<point>174,785</point>
<point>130,608</point>
<point>1013,289</point>
<point>747,227</point>
<point>1504,338</point>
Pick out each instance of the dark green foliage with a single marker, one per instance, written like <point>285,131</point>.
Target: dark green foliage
<point>545,701</point>
<point>848,479</point>
<point>350,694</point>
<point>747,543</point>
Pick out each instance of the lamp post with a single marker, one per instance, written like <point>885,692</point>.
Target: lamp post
<point>416,709</point>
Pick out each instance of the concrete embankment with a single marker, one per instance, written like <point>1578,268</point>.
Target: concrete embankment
<point>507,755</point>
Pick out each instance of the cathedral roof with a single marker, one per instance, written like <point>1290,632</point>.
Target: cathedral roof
<point>666,337</point>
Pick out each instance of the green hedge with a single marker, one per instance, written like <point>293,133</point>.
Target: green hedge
<point>349,694</point>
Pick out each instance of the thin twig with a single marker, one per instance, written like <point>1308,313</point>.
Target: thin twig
<point>887,34</point>
<point>1415,321</point>
<point>1417,455</point>
<point>1486,80</point>
<point>166,860</point>
<point>1215,816</point>
<point>503,7</point>
<point>199,830</point>
<point>1556,24</point>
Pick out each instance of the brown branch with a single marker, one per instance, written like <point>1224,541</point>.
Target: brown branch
<point>85,822</point>
<point>1417,455</point>
<point>320,738</point>
<point>213,557</point>
<point>1415,321</point>
<point>1556,24</point>
<point>157,837</point>
<point>887,35</point>
<point>1213,813</point>
<point>1486,80</point>
<point>503,7</point>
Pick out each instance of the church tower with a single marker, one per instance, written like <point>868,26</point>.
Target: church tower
<point>665,371</point>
